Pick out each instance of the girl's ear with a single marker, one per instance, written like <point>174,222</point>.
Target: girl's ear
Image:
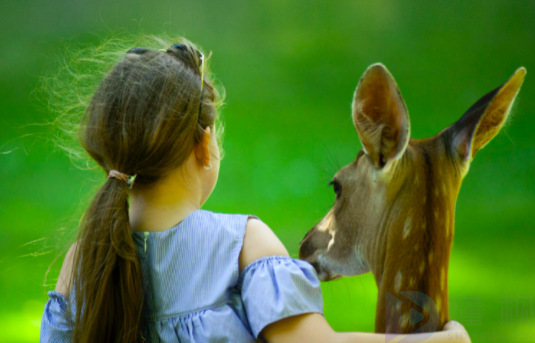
<point>202,151</point>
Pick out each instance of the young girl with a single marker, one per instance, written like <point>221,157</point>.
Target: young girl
<point>150,264</point>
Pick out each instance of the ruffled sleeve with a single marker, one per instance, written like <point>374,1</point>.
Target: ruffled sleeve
<point>276,287</point>
<point>54,324</point>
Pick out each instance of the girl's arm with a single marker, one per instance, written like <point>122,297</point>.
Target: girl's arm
<point>260,241</point>
<point>312,327</point>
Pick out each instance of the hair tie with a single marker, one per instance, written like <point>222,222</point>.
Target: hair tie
<point>123,177</point>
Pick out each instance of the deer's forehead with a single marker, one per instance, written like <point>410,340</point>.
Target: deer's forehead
<point>349,171</point>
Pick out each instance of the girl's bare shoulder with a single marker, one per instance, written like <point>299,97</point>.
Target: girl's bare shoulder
<point>259,241</point>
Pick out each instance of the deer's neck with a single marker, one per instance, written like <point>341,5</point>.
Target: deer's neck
<point>411,271</point>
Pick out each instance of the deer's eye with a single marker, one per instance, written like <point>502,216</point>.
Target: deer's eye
<point>337,188</point>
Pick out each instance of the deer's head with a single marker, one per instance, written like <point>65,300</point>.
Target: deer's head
<point>394,207</point>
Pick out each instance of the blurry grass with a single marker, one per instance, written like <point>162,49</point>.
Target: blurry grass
<point>290,71</point>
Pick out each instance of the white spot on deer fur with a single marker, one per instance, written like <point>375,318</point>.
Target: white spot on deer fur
<point>411,281</point>
<point>397,281</point>
<point>331,242</point>
<point>404,320</point>
<point>407,227</point>
<point>325,223</point>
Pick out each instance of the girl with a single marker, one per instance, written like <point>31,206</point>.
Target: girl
<point>150,264</point>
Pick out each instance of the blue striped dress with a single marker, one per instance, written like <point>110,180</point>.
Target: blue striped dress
<point>194,290</point>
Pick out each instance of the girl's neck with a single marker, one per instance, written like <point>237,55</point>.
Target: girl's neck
<point>165,204</point>
<point>146,216</point>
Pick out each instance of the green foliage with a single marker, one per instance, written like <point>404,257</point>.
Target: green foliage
<point>290,69</point>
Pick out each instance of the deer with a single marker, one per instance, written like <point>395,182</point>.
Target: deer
<point>394,206</point>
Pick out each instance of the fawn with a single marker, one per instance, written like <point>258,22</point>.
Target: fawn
<point>395,203</point>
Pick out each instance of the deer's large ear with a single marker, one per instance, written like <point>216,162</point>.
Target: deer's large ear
<point>484,119</point>
<point>380,116</point>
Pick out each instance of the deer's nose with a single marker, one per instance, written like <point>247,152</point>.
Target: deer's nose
<point>307,234</point>
<point>306,247</point>
<point>316,266</point>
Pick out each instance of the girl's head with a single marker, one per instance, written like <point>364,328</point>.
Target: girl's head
<point>151,112</point>
<point>150,115</point>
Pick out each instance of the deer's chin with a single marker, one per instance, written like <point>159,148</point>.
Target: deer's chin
<point>329,269</point>
<point>334,277</point>
<point>325,275</point>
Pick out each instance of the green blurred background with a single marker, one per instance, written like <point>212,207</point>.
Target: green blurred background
<point>290,69</point>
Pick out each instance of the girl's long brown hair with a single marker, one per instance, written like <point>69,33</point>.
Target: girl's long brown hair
<point>145,118</point>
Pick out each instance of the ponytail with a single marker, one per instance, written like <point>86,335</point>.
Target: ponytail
<point>108,283</point>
